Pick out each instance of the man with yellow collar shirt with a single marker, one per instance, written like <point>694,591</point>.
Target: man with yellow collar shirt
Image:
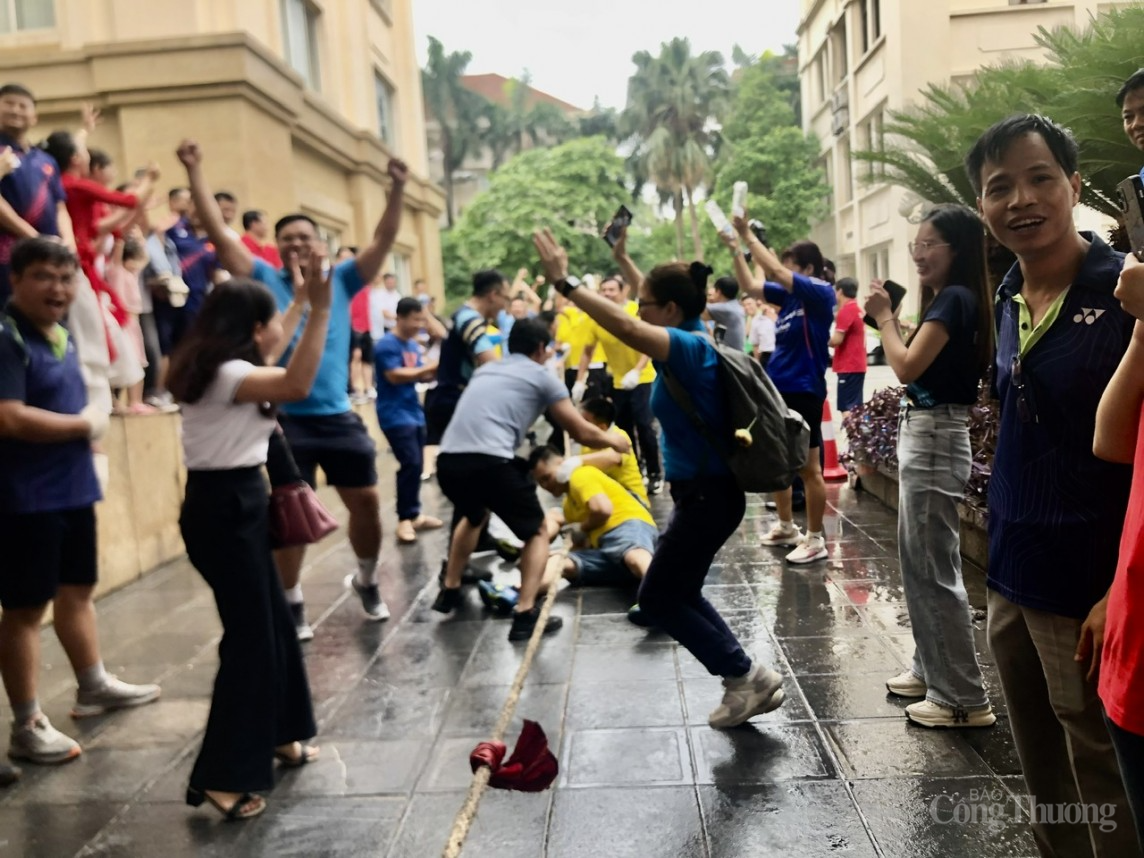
<point>619,531</point>
<point>624,468</point>
<point>572,332</point>
<point>632,376</point>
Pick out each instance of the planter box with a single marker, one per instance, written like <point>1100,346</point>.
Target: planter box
<point>882,483</point>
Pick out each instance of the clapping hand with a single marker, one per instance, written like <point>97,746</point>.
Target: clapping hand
<point>318,282</point>
<point>553,257</point>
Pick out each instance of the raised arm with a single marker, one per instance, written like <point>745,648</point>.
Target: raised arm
<point>1118,416</point>
<point>232,254</point>
<point>648,339</point>
<point>632,274</point>
<point>763,256</point>
<point>907,362</point>
<point>370,257</point>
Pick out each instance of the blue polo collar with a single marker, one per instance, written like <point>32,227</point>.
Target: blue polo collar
<point>1100,261</point>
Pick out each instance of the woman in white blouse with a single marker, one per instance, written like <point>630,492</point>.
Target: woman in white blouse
<point>261,708</point>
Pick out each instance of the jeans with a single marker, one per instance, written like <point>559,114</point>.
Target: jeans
<point>408,445</point>
<point>707,511</point>
<point>933,465</point>
<point>633,415</point>
<point>1130,754</point>
<point>1059,731</point>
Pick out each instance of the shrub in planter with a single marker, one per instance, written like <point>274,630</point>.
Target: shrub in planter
<point>872,437</point>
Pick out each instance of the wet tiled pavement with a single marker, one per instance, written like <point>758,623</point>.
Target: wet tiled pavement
<point>835,771</point>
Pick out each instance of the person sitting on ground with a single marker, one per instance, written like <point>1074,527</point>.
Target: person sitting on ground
<point>624,468</point>
<point>399,413</point>
<point>478,473</point>
<point>618,530</point>
<point>709,505</point>
<point>48,492</point>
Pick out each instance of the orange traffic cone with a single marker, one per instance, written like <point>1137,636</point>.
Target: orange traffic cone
<point>831,470</point>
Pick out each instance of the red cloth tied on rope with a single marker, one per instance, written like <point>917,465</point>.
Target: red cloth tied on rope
<point>531,768</point>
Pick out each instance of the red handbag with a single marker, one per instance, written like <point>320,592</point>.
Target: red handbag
<point>297,517</point>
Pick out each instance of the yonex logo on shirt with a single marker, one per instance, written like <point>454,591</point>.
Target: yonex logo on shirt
<point>1087,315</point>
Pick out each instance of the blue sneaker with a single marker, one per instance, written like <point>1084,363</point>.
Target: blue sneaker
<point>497,597</point>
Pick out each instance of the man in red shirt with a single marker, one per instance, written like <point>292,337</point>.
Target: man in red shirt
<point>849,343</point>
<point>255,233</point>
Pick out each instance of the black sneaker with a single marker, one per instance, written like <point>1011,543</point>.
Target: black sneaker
<point>448,599</point>
<point>639,617</point>
<point>507,551</point>
<point>523,623</point>
<point>654,485</point>
<point>298,612</point>
<point>468,576</point>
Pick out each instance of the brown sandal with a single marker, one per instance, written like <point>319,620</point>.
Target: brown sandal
<point>307,754</point>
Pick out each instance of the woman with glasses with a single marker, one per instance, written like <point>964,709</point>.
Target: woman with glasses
<point>708,502</point>
<point>940,364</point>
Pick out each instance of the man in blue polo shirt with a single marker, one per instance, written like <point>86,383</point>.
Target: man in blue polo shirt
<point>322,429</point>
<point>48,491</point>
<point>31,196</point>
<point>1055,510</point>
<point>400,367</point>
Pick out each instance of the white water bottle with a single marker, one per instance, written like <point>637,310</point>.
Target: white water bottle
<point>717,217</point>
<point>739,199</point>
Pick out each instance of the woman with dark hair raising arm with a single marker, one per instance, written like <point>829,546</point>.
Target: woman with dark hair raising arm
<point>940,365</point>
<point>261,708</point>
<point>708,502</point>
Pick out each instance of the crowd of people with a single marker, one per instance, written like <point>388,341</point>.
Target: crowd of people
<point>267,346</point>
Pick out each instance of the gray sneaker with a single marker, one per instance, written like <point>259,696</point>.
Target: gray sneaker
<point>113,694</point>
<point>761,690</point>
<point>37,741</point>
<point>371,601</point>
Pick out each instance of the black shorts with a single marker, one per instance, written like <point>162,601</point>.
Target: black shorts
<point>440,403</point>
<point>43,550</point>
<point>172,324</point>
<point>339,444</point>
<point>809,405</point>
<point>362,340</point>
<point>850,390</point>
<point>477,485</point>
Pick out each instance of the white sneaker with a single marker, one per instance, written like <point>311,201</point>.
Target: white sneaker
<point>810,549</point>
<point>113,694</point>
<point>907,684</point>
<point>783,533</point>
<point>743,698</point>
<point>926,713</point>
<point>37,741</point>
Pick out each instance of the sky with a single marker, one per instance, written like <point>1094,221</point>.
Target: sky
<point>578,50</point>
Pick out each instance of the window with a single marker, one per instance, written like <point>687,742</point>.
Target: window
<point>872,139</point>
<point>300,39</point>
<point>843,185</point>
<point>828,180</point>
<point>383,94</point>
<point>18,15</point>
<point>838,52</point>
<point>820,75</point>
<point>870,12</point>
<point>400,263</point>
<point>878,263</point>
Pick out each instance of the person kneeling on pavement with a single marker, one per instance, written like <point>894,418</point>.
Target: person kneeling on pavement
<point>619,532</point>
<point>479,473</point>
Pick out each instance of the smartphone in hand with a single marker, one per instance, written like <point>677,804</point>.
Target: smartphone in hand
<point>896,292</point>
<point>620,219</point>
<point>1131,193</point>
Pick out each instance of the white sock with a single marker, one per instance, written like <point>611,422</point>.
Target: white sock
<point>22,713</point>
<point>294,595</point>
<point>367,571</point>
<point>786,525</point>
<point>91,678</point>
<point>815,535</point>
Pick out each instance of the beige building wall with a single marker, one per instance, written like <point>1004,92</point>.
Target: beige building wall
<point>859,59</point>
<point>281,134</point>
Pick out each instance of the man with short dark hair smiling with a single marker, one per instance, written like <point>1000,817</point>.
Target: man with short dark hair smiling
<point>1055,510</point>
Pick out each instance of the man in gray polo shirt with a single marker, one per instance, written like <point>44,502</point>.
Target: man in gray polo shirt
<point>725,310</point>
<point>479,472</point>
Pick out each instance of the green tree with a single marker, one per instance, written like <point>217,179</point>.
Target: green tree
<point>926,144</point>
<point>672,100</point>
<point>574,188</point>
<point>455,108</point>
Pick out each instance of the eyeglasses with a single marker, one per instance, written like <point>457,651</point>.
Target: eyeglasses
<point>642,302</point>
<point>925,246</point>
<point>1025,410</point>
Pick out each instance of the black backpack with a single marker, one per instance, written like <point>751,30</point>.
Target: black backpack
<point>766,442</point>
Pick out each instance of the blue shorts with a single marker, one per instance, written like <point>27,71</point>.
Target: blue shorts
<point>604,566</point>
<point>850,394</point>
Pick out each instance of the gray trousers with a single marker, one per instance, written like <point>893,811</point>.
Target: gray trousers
<point>933,466</point>
<point>1058,728</point>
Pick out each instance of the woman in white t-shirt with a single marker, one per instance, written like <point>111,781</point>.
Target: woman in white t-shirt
<point>261,708</point>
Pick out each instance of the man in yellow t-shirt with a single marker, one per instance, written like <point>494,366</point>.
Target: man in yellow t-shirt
<point>573,328</point>
<point>624,469</point>
<point>632,376</point>
<point>620,531</point>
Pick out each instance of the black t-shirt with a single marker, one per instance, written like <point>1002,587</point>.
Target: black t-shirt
<point>952,377</point>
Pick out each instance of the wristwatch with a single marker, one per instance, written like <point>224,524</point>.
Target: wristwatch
<point>565,285</point>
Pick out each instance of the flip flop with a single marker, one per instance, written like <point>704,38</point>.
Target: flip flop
<point>308,755</point>
<point>247,805</point>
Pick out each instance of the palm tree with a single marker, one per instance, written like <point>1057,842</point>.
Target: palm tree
<point>455,108</point>
<point>672,100</point>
